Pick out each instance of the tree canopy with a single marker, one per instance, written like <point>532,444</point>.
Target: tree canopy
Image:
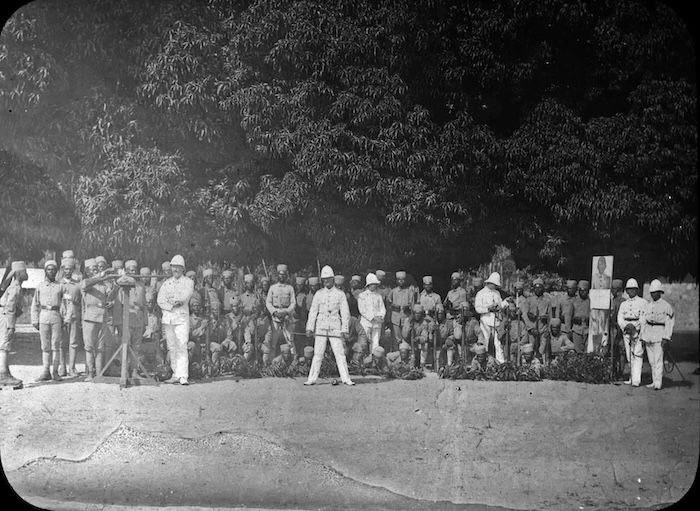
<point>395,133</point>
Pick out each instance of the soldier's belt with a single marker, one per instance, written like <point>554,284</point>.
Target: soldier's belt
<point>655,323</point>
<point>631,319</point>
<point>50,307</point>
<point>400,308</point>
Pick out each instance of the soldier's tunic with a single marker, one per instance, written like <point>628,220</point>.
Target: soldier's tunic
<point>228,299</point>
<point>198,333</point>
<point>490,321</point>
<point>329,319</point>
<point>281,298</point>
<point>376,363</point>
<point>429,301</point>
<point>71,314</point>
<point>46,307</point>
<point>566,312</point>
<point>400,301</point>
<point>537,311</point>
<point>453,302</point>
<point>535,365</point>
<point>580,320</point>
<point>94,298</point>
<point>248,303</point>
<point>10,310</point>
<point>421,334</point>
<point>175,321</point>
<point>393,358</point>
<point>657,325</point>
<point>281,363</point>
<point>370,305</point>
<point>210,300</point>
<point>561,344</point>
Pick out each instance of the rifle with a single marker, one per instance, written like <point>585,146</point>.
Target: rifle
<point>463,326</point>
<point>436,334</point>
<point>265,268</point>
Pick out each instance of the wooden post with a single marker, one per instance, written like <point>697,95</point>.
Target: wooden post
<point>124,380</point>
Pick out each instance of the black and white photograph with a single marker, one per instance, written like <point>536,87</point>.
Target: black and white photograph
<point>349,255</point>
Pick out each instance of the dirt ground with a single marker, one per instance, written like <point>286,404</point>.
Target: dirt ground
<point>426,444</point>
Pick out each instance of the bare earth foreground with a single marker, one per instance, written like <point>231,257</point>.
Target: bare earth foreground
<point>273,443</point>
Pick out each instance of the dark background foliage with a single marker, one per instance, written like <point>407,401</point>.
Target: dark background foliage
<point>418,134</point>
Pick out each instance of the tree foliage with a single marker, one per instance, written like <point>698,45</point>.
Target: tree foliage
<point>388,133</point>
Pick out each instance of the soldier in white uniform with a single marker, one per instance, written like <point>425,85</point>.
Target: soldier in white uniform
<point>488,304</point>
<point>370,304</point>
<point>329,320</point>
<point>657,328</point>
<point>629,318</point>
<point>173,299</point>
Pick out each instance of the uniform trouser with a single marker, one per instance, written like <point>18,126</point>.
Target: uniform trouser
<point>374,332</point>
<point>337,346</point>
<point>637,358</point>
<point>92,337</point>
<point>71,335</point>
<point>176,337</point>
<point>628,339</point>
<point>7,335</point>
<point>488,331</point>
<point>282,332</point>
<point>50,334</point>
<point>655,354</point>
<point>401,329</point>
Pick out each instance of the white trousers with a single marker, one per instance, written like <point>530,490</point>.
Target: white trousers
<point>176,337</point>
<point>374,332</point>
<point>656,360</point>
<point>320,349</point>
<point>487,331</point>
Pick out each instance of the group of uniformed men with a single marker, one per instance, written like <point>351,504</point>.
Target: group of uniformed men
<point>276,323</point>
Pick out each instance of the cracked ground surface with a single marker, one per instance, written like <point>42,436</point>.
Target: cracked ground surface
<point>423,444</point>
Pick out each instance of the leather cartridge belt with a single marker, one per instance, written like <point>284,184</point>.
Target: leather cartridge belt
<point>655,323</point>
<point>401,308</point>
<point>577,320</point>
<point>631,319</point>
<point>50,307</point>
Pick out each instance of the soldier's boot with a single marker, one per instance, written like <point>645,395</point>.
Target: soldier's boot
<point>55,365</point>
<point>71,362</point>
<point>89,365</point>
<point>61,362</point>
<point>6,378</point>
<point>45,361</point>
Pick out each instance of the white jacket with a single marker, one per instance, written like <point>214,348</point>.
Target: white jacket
<point>329,313</point>
<point>483,300</point>
<point>370,304</point>
<point>175,290</point>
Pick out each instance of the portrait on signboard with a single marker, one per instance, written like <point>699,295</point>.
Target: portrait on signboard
<point>602,272</point>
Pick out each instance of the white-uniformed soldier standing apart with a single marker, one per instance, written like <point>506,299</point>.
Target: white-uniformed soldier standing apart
<point>629,318</point>
<point>657,329</point>
<point>173,299</point>
<point>488,304</point>
<point>281,303</point>
<point>329,320</point>
<point>370,304</point>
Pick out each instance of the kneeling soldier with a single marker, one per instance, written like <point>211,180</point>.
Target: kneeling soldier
<point>285,359</point>
<point>560,342</point>
<point>482,360</point>
<point>530,361</point>
<point>376,360</point>
<point>402,356</point>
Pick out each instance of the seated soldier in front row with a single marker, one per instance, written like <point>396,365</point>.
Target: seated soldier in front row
<point>560,342</point>
<point>445,329</point>
<point>285,359</point>
<point>304,363</point>
<point>402,356</point>
<point>376,360</point>
<point>482,360</point>
<point>528,358</point>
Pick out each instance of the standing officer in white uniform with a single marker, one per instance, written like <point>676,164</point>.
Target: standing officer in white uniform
<point>173,299</point>
<point>629,318</point>
<point>329,320</point>
<point>657,329</point>
<point>488,304</point>
<point>370,304</point>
